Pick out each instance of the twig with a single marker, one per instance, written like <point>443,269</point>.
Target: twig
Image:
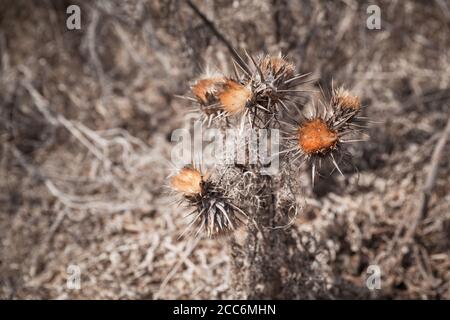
<point>432,173</point>
<point>422,209</point>
<point>91,42</point>
<point>219,35</point>
<point>190,247</point>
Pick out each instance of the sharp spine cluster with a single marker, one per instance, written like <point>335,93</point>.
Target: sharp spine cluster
<point>322,135</point>
<point>213,212</point>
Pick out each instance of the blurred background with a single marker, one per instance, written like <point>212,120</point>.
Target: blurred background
<point>85,126</point>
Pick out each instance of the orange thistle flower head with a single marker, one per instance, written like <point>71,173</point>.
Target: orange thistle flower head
<point>342,98</point>
<point>205,90</point>
<point>234,97</point>
<point>188,181</point>
<point>315,136</point>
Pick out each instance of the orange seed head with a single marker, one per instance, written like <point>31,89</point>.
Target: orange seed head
<point>188,181</point>
<point>315,136</point>
<point>234,97</point>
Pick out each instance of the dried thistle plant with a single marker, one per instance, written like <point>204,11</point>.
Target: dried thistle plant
<point>262,95</point>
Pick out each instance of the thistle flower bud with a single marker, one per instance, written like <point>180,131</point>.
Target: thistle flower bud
<point>205,90</point>
<point>343,99</point>
<point>274,81</point>
<point>188,181</point>
<point>234,97</point>
<point>273,66</point>
<point>323,135</point>
<point>213,213</point>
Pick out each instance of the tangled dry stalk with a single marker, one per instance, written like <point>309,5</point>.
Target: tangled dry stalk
<point>86,118</point>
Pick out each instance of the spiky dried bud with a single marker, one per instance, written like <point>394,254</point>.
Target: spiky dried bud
<point>322,135</point>
<point>343,99</point>
<point>234,97</point>
<point>206,94</point>
<point>188,181</point>
<point>214,213</point>
<point>205,90</point>
<point>273,83</point>
<point>273,66</point>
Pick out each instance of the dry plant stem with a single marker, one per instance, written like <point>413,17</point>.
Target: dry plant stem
<point>430,182</point>
<point>432,173</point>
<point>257,257</point>
<point>264,248</point>
<point>218,34</point>
<point>189,248</point>
<point>264,253</point>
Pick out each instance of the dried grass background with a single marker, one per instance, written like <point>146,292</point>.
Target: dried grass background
<point>86,119</point>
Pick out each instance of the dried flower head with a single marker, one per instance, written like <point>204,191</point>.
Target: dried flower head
<point>188,181</point>
<point>315,136</point>
<point>275,85</point>
<point>234,97</point>
<point>323,134</point>
<point>205,90</point>
<point>273,66</point>
<point>343,99</point>
<point>213,212</point>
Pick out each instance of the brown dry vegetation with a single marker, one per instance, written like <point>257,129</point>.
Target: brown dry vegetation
<point>86,119</point>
